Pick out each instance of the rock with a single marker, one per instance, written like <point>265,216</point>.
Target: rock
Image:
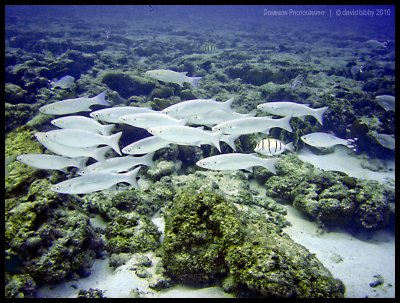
<point>126,84</point>
<point>15,94</point>
<point>159,282</point>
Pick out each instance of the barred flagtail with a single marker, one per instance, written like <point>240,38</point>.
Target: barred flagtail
<point>272,147</point>
<point>209,48</point>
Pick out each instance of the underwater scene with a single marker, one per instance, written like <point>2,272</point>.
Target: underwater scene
<point>199,151</point>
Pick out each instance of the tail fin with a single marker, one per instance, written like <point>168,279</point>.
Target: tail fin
<point>290,146</point>
<point>100,153</point>
<point>131,177</point>
<point>195,81</point>
<point>285,124</point>
<point>215,138</point>
<point>107,129</point>
<point>227,105</point>
<point>81,162</point>
<point>318,113</point>
<point>269,164</point>
<point>114,142</point>
<point>351,143</point>
<point>148,160</point>
<point>251,114</point>
<point>230,140</point>
<point>100,99</point>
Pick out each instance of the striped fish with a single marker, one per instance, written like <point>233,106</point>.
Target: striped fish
<point>209,47</point>
<point>272,147</point>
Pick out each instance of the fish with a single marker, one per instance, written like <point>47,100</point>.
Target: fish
<point>209,47</point>
<point>386,101</point>
<point>387,141</point>
<point>118,164</point>
<point>377,44</point>
<point>292,109</point>
<point>217,116</point>
<point>170,76</point>
<point>325,140</point>
<point>197,107</point>
<point>45,161</point>
<point>251,125</point>
<point>186,135</point>
<point>71,106</point>
<point>146,145</point>
<point>112,115</point>
<point>72,152</point>
<point>8,160</point>
<point>272,147</point>
<point>83,138</point>
<point>236,161</point>
<point>81,122</point>
<point>64,82</point>
<point>95,182</point>
<point>147,120</point>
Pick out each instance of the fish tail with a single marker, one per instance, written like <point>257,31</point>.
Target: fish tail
<point>107,129</point>
<point>101,99</point>
<point>131,177</point>
<point>100,153</point>
<point>290,146</point>
<point>81,162</point>
<point>195,81</point>
<point>227,104</point>
<point>318,113</point>
<point>114,142</point>
<point>230,140</point>
<point>285,124</point>
<point>216,137</point>
<point>269,164</point>
<point>148,160</point>
<point>251,114</point>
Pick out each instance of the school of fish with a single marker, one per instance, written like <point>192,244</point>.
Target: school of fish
<point>78,137</point>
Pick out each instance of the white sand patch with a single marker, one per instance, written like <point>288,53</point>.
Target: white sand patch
<point>354,260</point>
<point>344,160</point>
<point>123,283</point>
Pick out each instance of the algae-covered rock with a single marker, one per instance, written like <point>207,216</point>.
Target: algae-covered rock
<point>15,94</point>
<point>331,198</point>
<point>272,265</point>
<point>21,141</point>
<point>19,286</point>
<point>131,232</point>
<point>198,228</point>
<point>52,242</point>
<point>126,84</point>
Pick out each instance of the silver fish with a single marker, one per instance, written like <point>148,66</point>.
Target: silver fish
<point>64,82</point>
<point>118,164</point>
<point>325,140</point>
<point>386,101</point>
<point>146,145</point>
<point>95,182</point>
<point>236,161</point>
<point>170,76</point>
<point>81,122</point>
<point>71,106</point>
<point>44,161</point>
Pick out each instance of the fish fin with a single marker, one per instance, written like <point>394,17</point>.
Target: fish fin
<point>114,142</point>
<point>269,164</point>
<point>249,169</point>
<point>100,99</point>
<point>195,81</point>
<point>148,160</point>
<point>227,104</point>
<point>230,140</point>
<point>266,132</point>
<point>131,177</point>
<point>290,146</point>
<point>318,113</point>
<point>251,114</point>
<point>100,153</point>
<point>285,124</point>
<point>302,118</point>
<point>183,73</point>
<point>81,162</point>
<point>107,129</point>
<point>216,138</point>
